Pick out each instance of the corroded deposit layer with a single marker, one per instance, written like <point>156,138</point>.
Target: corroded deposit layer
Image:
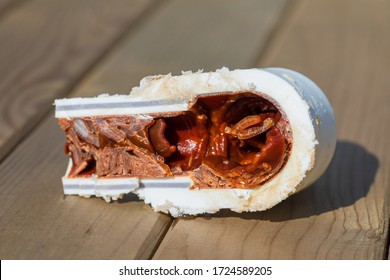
<point>199,142</point>
<point>231,140</point>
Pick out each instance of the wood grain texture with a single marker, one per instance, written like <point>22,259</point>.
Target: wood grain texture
<point>7,5</point>
<point>46,46</point>
<point>188,35</point>
<point>345,214</point>
<point>36,221</point>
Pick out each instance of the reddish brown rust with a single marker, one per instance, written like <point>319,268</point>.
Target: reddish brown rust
<point>160,143</point>
<point>189,133</point>
<point>250,126</point>
<point>237,140</point>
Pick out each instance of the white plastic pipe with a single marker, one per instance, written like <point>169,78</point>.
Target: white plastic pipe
<point>309,113</point>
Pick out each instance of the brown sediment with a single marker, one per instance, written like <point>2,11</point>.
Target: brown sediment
<point>231,140</point>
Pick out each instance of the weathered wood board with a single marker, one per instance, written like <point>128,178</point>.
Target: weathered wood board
<point>36,220</point>
<point>345,214</point>
<point>46,47</point>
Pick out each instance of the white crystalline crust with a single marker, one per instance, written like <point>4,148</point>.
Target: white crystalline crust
<point>308,111</point>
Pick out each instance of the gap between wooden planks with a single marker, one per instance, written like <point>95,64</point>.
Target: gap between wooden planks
<point>345,215</point>
<point>46,47</point>
<point>44,224</point>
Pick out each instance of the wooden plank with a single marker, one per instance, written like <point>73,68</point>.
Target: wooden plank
<point>340,45</point>
<point>195,36</point>
<point>36,221</point>
<point>46,46</point>
<point>6,5</point>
